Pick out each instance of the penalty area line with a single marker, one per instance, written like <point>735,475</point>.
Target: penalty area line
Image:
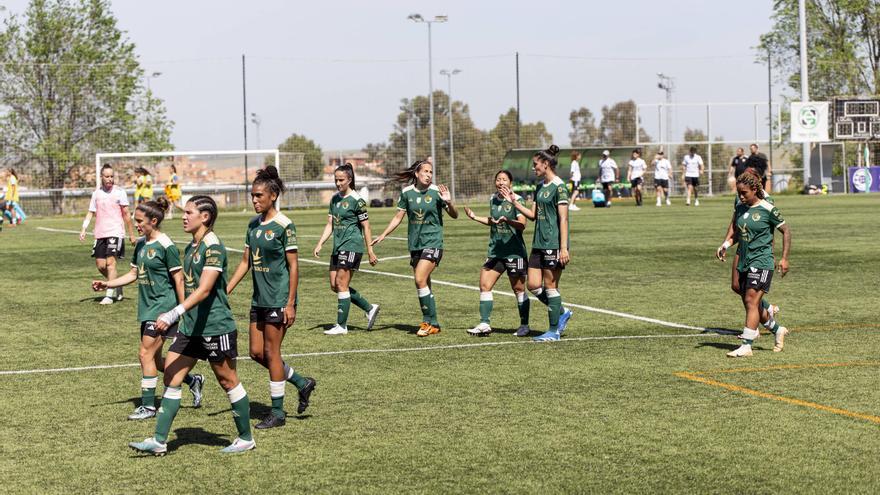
<point>392,350</point>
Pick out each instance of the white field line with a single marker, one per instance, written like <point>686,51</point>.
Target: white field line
<point>380,351</point>
<point>394,258</point>
<point>499,292</point>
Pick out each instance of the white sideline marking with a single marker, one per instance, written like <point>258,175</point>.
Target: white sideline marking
<point>393,258</point>
<point>499,292</point>
<point>378,351</point>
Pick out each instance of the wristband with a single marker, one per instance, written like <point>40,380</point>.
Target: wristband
<point>85,224</point>
<point>173,315</point>
<point>725,245</point>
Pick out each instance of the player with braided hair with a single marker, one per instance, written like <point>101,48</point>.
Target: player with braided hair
<point>271,253</point>
<point>755,221</point>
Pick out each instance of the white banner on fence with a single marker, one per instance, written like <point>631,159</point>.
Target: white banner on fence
<point>809,122</point>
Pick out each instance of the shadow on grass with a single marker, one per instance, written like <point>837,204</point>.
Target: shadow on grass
<point>397,326</point>
<point>260,410</point>
<point>718,345</point>
<point>722,331</point>
<point>95,299</point>
<point>188,436</point>
<point>135,401</point>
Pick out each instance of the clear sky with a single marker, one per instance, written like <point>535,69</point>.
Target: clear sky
<point>336,71</point>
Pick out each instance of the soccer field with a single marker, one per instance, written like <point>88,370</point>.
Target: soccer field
<point>637,397</point>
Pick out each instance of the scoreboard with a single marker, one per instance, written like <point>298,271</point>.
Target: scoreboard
<point>857,119</point>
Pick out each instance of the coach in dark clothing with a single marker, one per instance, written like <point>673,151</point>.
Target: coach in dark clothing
<point>738,164</point>
<point>758,161</point>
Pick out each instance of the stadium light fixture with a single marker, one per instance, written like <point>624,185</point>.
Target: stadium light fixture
<point>256,120</point>
<point>440,19</point>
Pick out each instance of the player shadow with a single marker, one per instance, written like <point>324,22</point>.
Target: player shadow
<point>722,331</point>
<point>199,436</point>
<point>95,299</point>
<point>260,411</point>
<point>718,345</point>
<point>397,326</point>
<point>134,401</point>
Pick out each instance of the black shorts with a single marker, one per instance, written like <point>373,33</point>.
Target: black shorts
<point>214,349</point>
<point>348,260</point>
<point>755,278</point>
<point>638,181</point>
<point>575,185</point>
<point>664,183</point>
<point>515,267</point>
<point>108,247</point>
<point>148,329</point>
<point>545,258</point>
<point>692,181</point>
<point>607,185</point>
<point>431,254</point>
<point>274,316</point>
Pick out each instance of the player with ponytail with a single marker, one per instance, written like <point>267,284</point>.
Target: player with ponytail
<point>271,253</point>
<point>207,333</point>
<point>155,266</point>
<point>550,243</point>
<point>423,204</point>
<point>349,225</point>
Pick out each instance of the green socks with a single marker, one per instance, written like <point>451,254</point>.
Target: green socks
<point>540,294</point>
<point>428,305</point>
<point>359,300</point>
<point>148,391</point>
<point>523,304</point>
<point>276,392</point>
<point>486,303</point>
<point>241,411</point>
<point>293,377</point>
<point>343,305</point>
<point>167,412</point>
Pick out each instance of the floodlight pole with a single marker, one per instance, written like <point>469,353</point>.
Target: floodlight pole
<point>518,121</point>
<point>437,18</point>
<point>244,119</point>
<point>770,113</point>
<point>805,86</point>
<point>449,74</point>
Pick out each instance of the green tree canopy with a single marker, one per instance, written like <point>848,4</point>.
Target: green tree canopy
<point>532,135</point>
<point>618,125</point>
<point>70,86</point>
<point>843,46</point>
<point>583,128</point>
<point>313,157</point>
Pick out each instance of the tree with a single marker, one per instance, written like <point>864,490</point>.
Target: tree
<point>843,46</point>
<point>618,125</point>
<point>375,151</point>
<point>721,153</point>
<point>583,128</point>
<point>313,157</point>
<point>71,85</point>
<point>531,135</point>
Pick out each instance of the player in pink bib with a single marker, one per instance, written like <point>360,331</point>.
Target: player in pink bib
<point>109,206</point>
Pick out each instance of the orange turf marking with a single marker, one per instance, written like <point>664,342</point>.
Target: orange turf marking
<point>695,376</point>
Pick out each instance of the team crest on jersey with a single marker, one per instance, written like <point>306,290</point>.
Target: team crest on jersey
<point>344,205</point>
<point>428,199</point>
<point>545,194</point>
<point>507,208</point>
<point>756,216</point>
<point>270,234</point>
<point>151,253</point>
<point>560,189</point>
<point>196,257</point>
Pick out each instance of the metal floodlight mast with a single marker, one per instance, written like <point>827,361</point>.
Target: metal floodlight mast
<point>256,120</point>
<point>437,19</point>
<point>449,75</point>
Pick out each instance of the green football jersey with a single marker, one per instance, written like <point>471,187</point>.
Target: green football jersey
<point>754,228</point>
<point>547,197</point>
<point>155,261</point>
<point>212,316</point>
<point>347,213</point>
<point>424,211</point>
<point>504,240</point>
<point>268,244</point>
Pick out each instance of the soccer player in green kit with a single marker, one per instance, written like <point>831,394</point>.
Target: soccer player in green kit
<point>768,311</point>
<point>756,219</point>
<point>270,251</point>
<point>423,204</point>
<point>208,330</point>
<point>349,225</point>
<point>155,267</point>
<point>550,242</point>
<point>507,252</point>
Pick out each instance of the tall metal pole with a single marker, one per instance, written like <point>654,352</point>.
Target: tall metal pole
<point>244,119</point>
<point>805,85</point>
<point>518,121</point>
<point>431,104</point>
<point>449,74</point>
<point>409,119</point>
<point>770,113</point>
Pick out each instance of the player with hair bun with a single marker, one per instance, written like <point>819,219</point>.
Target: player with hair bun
<point>155,266</point>
<point>550,243</point>
<point>271,253</point>
<point>207,333</point>
<point>423,204</point>
<point>755,220</point>
<point>349,225</point>
<point>507,252</point>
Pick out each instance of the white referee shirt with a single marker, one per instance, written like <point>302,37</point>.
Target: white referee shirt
<point>607,168</point>
<point>692,165</point>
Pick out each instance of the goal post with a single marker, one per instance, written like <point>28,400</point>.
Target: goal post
<point>223,174</point>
